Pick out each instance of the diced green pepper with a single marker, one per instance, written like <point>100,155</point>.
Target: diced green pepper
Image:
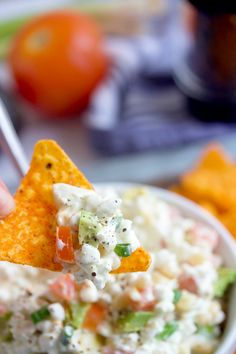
<point>40,315</point>
<point>123,249</point>
<point>169,329</point>
<point>133,321</point>
<point>226,277</point>
<point>89,226</point>
<point>77,314</point>
<point>177,296</point>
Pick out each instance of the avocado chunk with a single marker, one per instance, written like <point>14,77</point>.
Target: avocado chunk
<point>89,226</point>
<point>133,321</point>
<point>169,329</point>
<point>76,314</point>
<point>177,296</point>
<point>226,277</point>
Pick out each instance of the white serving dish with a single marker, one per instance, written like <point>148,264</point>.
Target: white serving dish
<point>226,248</point>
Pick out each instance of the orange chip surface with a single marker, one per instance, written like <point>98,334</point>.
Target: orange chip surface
<point>138,261</point>
<point>213,179</point>
<point>28,235</point>
<point>214,158</point>
<point>212,184</point>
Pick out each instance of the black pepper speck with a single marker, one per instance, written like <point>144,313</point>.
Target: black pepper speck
<point>48,165</point>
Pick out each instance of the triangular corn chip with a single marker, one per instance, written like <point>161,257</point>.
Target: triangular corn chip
<point>139,260</point>
<point>212,184</point>
<point>214,157</point>
<point>28,235</point>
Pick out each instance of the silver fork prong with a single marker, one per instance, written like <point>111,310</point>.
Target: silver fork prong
<point>10,142</point>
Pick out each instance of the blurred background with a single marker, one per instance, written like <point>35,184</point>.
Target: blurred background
<point>132,90</point>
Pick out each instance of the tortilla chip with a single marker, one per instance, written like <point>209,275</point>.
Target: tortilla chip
<point>228,219</point>
<point>202,185</point>
<point>214,158</point>
<point>212,184</point>
<point>28,235</point>
<point>209,207</point>
<point>138,261</point>
<point>217,186</point>
<point>208,180</point>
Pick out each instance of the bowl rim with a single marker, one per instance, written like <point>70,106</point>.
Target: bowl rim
<point>228,344</point>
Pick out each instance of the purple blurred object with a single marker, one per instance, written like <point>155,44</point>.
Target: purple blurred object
<point>138,107</point>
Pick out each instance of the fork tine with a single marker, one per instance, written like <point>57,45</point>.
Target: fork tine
<point>10,142</point>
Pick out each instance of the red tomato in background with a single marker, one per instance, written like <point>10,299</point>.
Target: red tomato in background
<point>57,60</point>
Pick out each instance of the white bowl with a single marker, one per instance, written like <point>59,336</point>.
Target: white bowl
<point>226,248</point>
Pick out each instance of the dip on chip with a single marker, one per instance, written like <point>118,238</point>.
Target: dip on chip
<point>61,223</point>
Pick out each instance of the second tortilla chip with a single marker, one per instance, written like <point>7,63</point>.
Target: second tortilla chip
<point>139,259</point>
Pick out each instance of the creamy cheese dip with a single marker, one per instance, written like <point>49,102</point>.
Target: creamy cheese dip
<point>98,228</point>
<point>170,309</point>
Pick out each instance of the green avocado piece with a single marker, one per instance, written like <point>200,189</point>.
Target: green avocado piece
<point>169,329</point>
<point>89,226</point>
<point>226,277</point>
<point>76,314</point>
<point>133,321</point>
<point>177,296</point>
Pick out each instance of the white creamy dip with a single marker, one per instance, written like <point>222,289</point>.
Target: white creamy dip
<point>170,309</point>
<point>105,229</point>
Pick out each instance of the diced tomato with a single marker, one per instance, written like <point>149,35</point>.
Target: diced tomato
<point>3,309</point>
<point>65,288</point>
<point>188,283</point>
<point>94,317</point>
<point>163,244</point>
<point>174,213</point>
<point>204,234</point>
<point>64,245</point>
<point>146,302</point>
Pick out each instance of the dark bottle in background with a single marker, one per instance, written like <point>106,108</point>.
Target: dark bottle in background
<point>207,73</point>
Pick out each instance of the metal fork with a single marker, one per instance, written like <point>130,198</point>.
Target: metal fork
<point>10,142</point>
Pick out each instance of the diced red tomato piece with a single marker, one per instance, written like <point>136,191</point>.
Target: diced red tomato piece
<point>64,288</point>
<point>3,309</point>
<point>203,234</point>
<point>64,245</point>
<point>163,244</point>
<point>146,302</point>
<point>186,282</point>
<point>94,317</point>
